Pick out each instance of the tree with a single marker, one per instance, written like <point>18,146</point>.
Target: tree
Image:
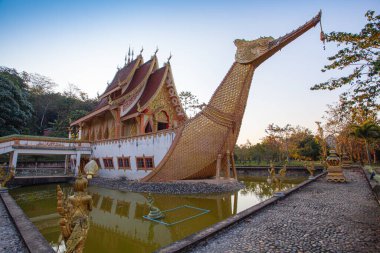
<point>15,109</point>
<point>361,55</point>
<point>38,84</point>
<point>339,121</point>
<point>282,134</point>
<point>366,131</point>
<point>308,148</point>
<point>190,103</point>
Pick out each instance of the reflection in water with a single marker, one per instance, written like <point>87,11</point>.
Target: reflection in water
<point>116,222</point>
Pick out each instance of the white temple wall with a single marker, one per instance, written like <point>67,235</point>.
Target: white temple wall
<point>153,145</point>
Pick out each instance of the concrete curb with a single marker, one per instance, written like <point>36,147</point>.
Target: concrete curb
<point>32,238</point>
<point>187,242</point>
<point>370,184</point>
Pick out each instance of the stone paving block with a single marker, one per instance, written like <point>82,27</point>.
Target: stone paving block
<point>322,217</point>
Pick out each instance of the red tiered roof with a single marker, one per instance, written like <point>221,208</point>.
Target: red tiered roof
<point>121,75</point>
<point>139,75</point>
<point>136,72</point>
<point>152,86</point>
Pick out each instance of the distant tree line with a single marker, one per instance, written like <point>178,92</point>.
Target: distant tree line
<point>280,144</point>
<point>30,105</point>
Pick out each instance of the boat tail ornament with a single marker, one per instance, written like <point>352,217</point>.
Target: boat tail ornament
<point>202,146</point>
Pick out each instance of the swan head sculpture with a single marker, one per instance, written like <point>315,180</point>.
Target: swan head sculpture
<point>249,50</point>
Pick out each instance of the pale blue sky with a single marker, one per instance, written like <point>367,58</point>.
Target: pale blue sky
<point>82,42</point>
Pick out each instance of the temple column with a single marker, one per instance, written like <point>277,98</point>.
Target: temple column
<point>228,165</point>
<point>69,132</point>
<point>80,132</point>
<point>118,124</point>
<point>77,163</point>
<point>66,164</point>
<point>138,122</point>
<point>155,124</point>
<point>13,159</point>
<point>218,166</point>
<point>116,116</point>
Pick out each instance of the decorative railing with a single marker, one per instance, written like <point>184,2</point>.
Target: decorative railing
<point>33,172</point>
<point>134,137</point>
<point>37,138</point>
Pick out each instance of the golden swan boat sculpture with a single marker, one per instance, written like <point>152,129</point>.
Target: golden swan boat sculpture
<point>205,142</point>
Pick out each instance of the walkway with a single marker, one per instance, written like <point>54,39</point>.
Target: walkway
<point>322,217</point>
<point>10,240</point>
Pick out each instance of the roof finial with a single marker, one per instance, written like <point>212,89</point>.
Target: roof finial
<point>142,49</point>
<point>170,56</point>
<point>156,50</point>
<point>132,54</point>
<point>129,54</point>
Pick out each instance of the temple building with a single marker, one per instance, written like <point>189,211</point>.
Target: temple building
<point>132,127</point>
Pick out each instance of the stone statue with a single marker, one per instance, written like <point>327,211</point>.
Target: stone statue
<point>276,179</point>
<point>154,212</point>
<point>282,172</point>
<point>334,169</point>
<point>310,168</point>
<point>74,212</point>
<point>6,174</point>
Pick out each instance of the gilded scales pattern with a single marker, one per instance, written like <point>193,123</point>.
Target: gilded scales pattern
<point>216,128</point>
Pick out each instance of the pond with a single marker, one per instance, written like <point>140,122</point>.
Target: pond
<point>117,223</point>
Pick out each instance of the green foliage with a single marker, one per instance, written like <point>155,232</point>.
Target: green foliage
<point>15,109</point>
<point>61,124</point>
<point>190,103</point>
<point>360,55</point>
<point>367,131</point>
<point>308,148</point>
<point>55,110</point>
<point>293,143</point>
<point>29,104</point>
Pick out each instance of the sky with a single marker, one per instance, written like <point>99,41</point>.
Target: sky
<point>83,43</point>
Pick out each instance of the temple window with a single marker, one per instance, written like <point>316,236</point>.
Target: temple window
<point>149,164</point>
<point>148,128</point>
<point>140,163</point>
<point>145,163</point>
<point>162,126</point>
<point>108,163</point>
<point>162,120</point>
<point>123,163</point>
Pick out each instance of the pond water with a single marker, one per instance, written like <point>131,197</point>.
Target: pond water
<point>117,223</point>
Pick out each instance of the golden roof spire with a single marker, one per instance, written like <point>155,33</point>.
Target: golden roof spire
<point>170,56</point>
<point>129,54</point>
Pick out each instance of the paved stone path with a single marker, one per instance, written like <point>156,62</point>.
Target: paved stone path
<point>322,217</point>
<point>10,240</point>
